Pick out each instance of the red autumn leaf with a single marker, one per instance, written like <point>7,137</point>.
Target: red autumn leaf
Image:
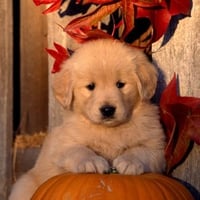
<point>148,4</point>
<point>128,14</point>
<point>60,55</point>
<point>55,5</point>
<point>179,141</point>
<point>159,18</point>
<point>180,7</point>
<point>159,12</point>
<point>100,2</point>
<point>39,2</point>
<point>161,15</point>
<point>80,28</point>
<point>181,119</point>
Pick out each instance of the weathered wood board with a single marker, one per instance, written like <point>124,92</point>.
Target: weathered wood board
<point>5,97</point>
<point>33,68</point>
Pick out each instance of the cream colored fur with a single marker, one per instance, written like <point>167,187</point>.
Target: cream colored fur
<point>131,140</point>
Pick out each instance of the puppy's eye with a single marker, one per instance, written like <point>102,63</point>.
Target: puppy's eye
<point>120,84</point>
<point>90,86</point>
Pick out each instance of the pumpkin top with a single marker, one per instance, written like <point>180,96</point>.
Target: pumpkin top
<point>111,187</point>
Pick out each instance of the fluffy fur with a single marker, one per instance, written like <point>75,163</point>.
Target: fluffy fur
<point>107,86</point>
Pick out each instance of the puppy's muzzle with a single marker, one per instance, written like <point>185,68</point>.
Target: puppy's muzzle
<point>107,111</point>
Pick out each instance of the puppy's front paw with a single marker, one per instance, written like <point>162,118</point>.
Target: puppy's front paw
<point>128,165</point>
<point>94,164</point>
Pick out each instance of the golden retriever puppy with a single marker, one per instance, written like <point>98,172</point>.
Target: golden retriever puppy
<point>106,85</point>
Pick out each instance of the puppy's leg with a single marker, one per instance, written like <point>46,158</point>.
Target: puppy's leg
<point>24,188</point>
<point>80,159</point>
<point>139,160</point>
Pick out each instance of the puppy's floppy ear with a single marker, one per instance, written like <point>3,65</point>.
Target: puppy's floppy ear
<point>62,87</point>
<point>147,75</point>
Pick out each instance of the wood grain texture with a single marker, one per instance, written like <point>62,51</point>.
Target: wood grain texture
<point>5,97</point>
<point>182,56</point>
<point>34,68</point>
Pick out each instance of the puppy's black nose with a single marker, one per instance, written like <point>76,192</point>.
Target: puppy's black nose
<point>107,111</point>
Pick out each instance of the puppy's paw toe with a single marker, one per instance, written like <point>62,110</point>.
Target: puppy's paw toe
<point>128,166</point>
<point>96,164</point>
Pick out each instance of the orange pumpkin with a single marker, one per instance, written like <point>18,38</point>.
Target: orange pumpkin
<point>111,187</point>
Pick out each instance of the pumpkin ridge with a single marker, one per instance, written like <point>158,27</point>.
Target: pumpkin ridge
<point>168,184</point>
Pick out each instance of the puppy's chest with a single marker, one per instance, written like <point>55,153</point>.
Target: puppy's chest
<point>108,149</point>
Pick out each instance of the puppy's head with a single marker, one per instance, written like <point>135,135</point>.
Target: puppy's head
<point>104,80</point>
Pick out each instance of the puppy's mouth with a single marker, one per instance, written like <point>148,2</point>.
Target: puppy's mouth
<point>111,122</point>
<point>108,121</point>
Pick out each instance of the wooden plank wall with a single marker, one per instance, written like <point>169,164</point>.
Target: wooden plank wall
<point>32,94</point>
<point>34,68</point>
<point>5,97</point>
<point>182,55</point>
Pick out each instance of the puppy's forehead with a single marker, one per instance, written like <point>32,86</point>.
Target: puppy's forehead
<point>104,56</point>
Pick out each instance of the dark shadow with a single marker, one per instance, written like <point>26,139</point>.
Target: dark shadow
<point>16,64</point>
<point>172,28</point>
<point>141,26</point>
<point>73,8</point>
<point>195,193</point>
<point>161,85</point>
